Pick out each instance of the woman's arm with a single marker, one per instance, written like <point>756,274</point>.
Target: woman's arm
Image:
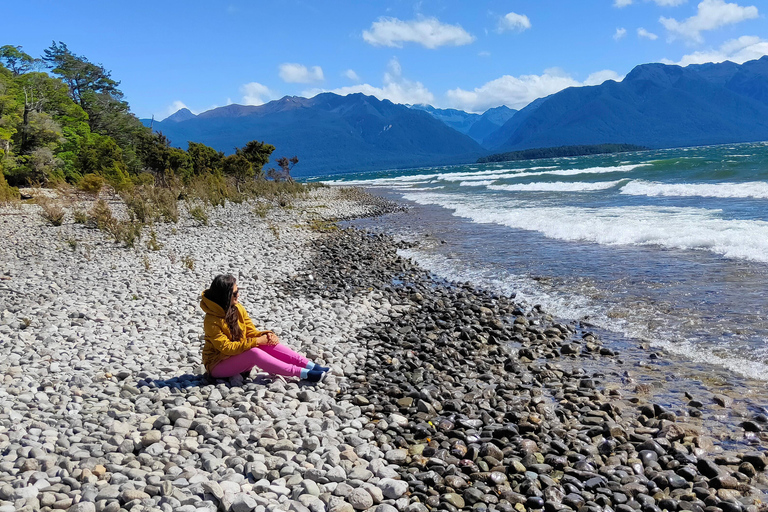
<point>224,343</point>
<point>250,328</point>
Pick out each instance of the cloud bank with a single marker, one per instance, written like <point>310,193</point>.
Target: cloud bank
<point>514,21</point>
<point>299,74</point>
<point>736,50</point>
<point>428,32</point>
<point>641,32</point>
<point>711,14</point>
<point>255,93</point>
<point>517,92</point>
<point>395,88</point>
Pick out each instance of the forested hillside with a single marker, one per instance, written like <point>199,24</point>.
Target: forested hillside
<point>63,118</point>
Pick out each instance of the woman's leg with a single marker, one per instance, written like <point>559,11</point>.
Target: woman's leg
<point>285,354</point>
<point>256,356</point>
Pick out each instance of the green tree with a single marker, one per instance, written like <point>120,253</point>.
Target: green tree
<point>165,162</point>
<point>16,60</point>
<point>257,153</point>
<point>100,154</point>
<point>286,165</point>
<point>238,167</point>
<point>205,159</point>
<point>82,76</point>
<point>92,87</point>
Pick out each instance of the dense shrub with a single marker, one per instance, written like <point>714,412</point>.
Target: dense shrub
<point>91,184</point>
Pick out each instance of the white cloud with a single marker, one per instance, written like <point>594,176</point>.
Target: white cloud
<point>174,107</point>
<point>514,21</point>
<point>641,32</point>
<point>484,54</point>
<point>299,74</point>
<point>669,3</point>
<point>619,34</point>
<point>621,3</point>
<point>255,93</point>
<point>517,92</point>
<point>350,73</point>
<point>711,14</point>
<point>599,77</point>
<point>395,88</point>
<point>428,32</point>
<point>735,50</point>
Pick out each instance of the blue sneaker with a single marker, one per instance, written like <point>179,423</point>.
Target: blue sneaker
<point>315,375</point>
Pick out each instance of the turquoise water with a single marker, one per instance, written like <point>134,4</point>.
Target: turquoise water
<point>667,246</point>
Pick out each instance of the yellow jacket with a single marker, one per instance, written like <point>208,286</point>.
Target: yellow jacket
<point>218,340</point>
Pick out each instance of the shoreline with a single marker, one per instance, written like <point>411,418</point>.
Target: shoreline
<point>522,426</point>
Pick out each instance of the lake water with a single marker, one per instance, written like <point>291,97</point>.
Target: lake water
<point>669,247</point>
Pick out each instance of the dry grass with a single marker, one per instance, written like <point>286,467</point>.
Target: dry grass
<point>52,212</point>
<point>127,232</point>
<point>153,244</point>
<point>199,214</point>
<point>148,204</point>
<point>188,261</point>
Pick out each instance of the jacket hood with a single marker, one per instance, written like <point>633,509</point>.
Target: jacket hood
<point>210,307</point>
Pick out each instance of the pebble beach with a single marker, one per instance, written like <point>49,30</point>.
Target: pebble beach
<point>440,396</point>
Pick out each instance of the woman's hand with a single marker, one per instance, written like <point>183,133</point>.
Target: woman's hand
<point>271,339</point>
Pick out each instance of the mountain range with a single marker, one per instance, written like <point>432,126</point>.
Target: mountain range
<point>655,105</point>
<point>329,133</point>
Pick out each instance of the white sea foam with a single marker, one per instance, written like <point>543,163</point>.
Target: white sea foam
<point>675,228</point>
<point>479,183</point>
<point>751,189</point>
<point>556,186</point>
<point>485,175</point>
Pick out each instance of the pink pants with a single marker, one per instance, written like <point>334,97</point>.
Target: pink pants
<point>279,360</point>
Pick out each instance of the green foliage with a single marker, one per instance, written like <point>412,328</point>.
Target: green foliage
<point>560,151</point>
<point>8,194</point>
<point>71,125</point>
<point>204,159</point>
<point>167,163</point>
<point>91,184</point>
<point>16,60</point>
<point>257,154</point>
<point>101,155</point>
<point>238,167</point>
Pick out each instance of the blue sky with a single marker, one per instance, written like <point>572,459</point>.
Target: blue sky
<point>449,53</point>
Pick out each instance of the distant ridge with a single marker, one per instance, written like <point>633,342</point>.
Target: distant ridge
<point>477,126</point>
<point>656,105</point>
<point>183,114</point>
<point>330,133</point>
<point>559,152</point>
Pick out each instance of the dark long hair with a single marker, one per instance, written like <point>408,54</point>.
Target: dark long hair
<point>220,292</point>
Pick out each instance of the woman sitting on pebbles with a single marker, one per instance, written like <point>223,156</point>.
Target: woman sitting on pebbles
<point>233,345</point>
